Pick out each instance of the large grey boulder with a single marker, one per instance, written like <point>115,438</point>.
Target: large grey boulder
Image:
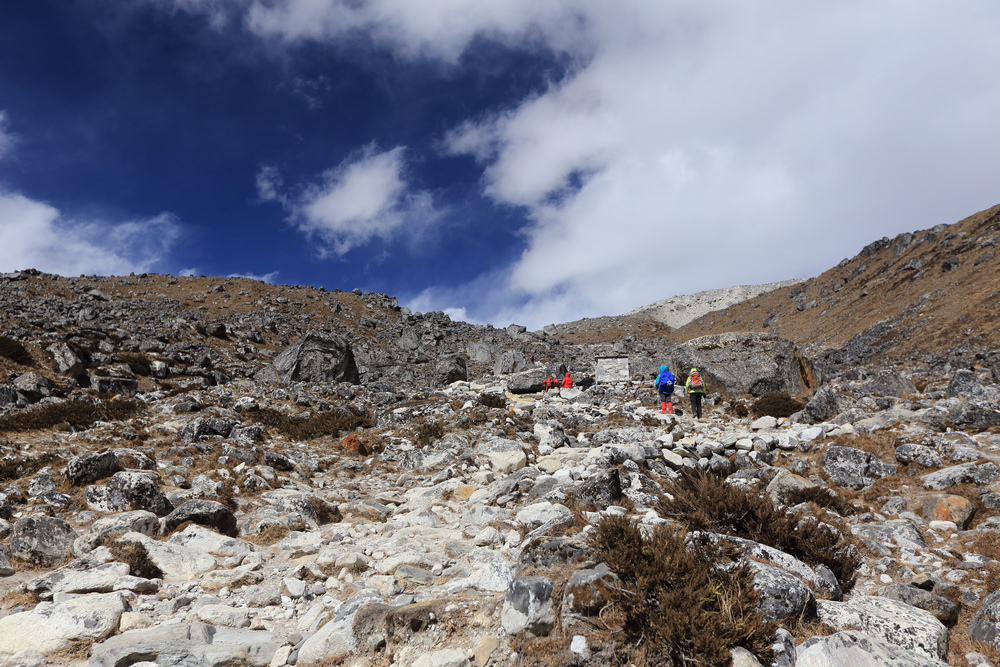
<point>965,384</point>
<point>943,609</point>
<point>52,627</point>
<point>92,466</point>
<point>128,491</point>
<point>139,521</point>
<point>856,649</point>
<point>972,416</point>
<point>450,368</point>
<point>116,385</point>
<point>985,625</point>
<point>745,363</point>
<point>854,468</point>
<point>186,644</point>
<point>316,357</point>
<point>42,540</point>
<point>895,532</point>
<point>890,383</point>
<point>782,595</point>
<point>530,381</point>
<point>890,621</point>
<point>511,361</point>
<point>203,512</point>
<point>336,639</point>
<point>827,403</point>
<point>528,606</point>
<point>65,360</point>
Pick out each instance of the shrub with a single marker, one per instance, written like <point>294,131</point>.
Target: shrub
<point>493,401</point>
<point>136,557</point>
<point>78,414</point>
<point>679,605</point>
<point>822,497</point>
<point>137,363</point>
<point>427,432</point>
<point>13,349</point>
<point>776,405</point>
<point>330,423</point>
<point>706,503</point>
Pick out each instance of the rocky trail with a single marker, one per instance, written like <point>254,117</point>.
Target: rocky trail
<point>203,471</point>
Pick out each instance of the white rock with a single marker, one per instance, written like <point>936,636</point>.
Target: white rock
<point>765,422</point>
<point>54,626</point>
<point>890,621</point>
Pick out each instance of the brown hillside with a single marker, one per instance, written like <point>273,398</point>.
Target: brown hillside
<point>921,295</point>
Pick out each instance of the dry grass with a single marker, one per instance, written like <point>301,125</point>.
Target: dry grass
<point>776,405</point>
<point>12,349</point>
<point>270,535</point>
<point>136,557</point>
<point>78,414</point>
<point>704,502</point>
<point>331,423</point>
<point>678,605</point>
<point>821,497</point>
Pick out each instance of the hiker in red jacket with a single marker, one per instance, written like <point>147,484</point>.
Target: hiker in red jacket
<point>567,382</point>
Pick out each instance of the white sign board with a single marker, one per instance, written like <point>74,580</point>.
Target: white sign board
<point>612,369</point>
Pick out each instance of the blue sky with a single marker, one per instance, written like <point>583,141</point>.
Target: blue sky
<point>515,161</point>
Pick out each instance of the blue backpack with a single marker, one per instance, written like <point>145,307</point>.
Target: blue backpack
<point>666,385</point>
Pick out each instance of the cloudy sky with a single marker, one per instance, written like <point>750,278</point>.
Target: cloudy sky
<point>509,161</point>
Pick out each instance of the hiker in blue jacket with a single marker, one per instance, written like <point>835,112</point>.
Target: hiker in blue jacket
<point>665,387</point>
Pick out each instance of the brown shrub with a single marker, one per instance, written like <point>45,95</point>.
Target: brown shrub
<point>776,405</point>
<point>706,503</point>
<point>78,414</point>
<point>678,605</point>
<point>427,432</point>
<point>331,423</point>
<point>134,555</point>
<point>493,401</point>
<point>822,497</point>
<point>269,535</point>
<point>137,363</point>
<point>12,349</point>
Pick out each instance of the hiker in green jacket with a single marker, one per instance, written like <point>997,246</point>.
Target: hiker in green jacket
<point>696,390</point>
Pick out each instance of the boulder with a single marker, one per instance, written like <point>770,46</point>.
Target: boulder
<point>589,590</point>
<point>601,490</point>
<point>896,532</point>
<point>826,404</point>
<point>65,360</point>
<point>530,381</point>
<point>853,468</point>
<point>51,627</point>
<point>965,384</point>
<point>890,383</point>
<point>889,621</point>
<point>745,363</point>
<point>972,416</point>
<point>950,476</point>
<point>186,644</point>
<point>450,368</point>
<point>510,362</point>
<point>203,512</point>
<point>115,386</point>
<point>943,609</point>
<point>528,606</point>
<point>33,386</point>
<point>947,507</point>
<point>857,649</point>
<point>139,521</point>
<point>128,491</point>
<point>919,454</point>
<point>42,540</point>
<point>336,639</point>
<point>316,357</point>
<point>782,595</point>
<point>92,466</point>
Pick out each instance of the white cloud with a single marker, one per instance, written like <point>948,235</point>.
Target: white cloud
<point>365,197</point>
<point>35,235</point>
<point>691,145</point>
<point>269,278</point>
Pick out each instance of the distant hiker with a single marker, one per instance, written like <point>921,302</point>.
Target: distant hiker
<point>696,390</point>
<point>567,382</point>
<point>665,387</point>
<point>532,358</point>
<point>549,383</point>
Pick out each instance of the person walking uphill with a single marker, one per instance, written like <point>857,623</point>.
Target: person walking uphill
<point>567,381</point>
<point>665,387</point>
<point>696,390</point>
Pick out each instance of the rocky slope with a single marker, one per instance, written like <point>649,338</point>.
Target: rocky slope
<point>216,471</point>
<point>677,311</point>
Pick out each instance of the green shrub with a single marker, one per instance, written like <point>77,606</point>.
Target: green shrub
<point>13,349</point>
<point>704,502</point>
<point>78,414</point>
<point>679,605</point>
<point>776,405</point>
<point>331,423</point>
